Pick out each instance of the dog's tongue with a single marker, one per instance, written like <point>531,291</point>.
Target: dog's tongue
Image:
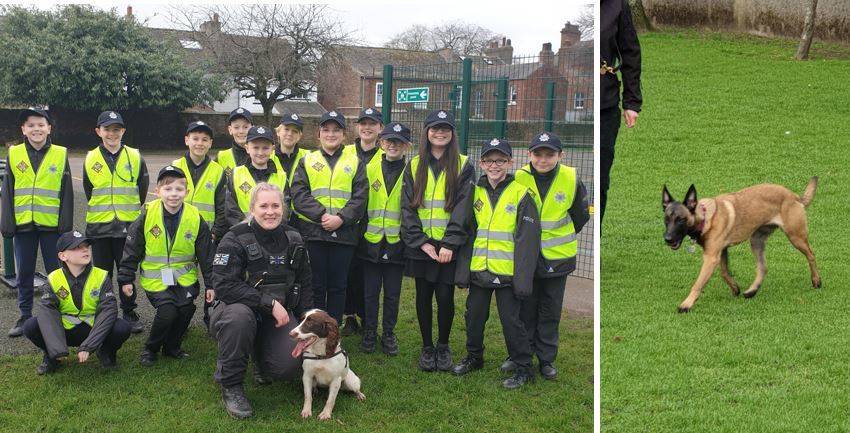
<point>299,347</point>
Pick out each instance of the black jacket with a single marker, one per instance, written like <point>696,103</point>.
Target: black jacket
<point>306,205</point>
<point>50,319</point>
<point>456,234</point>
<point>134,254</point>
<point>220,225</point>
<point>620,49</point>
<point>115,228</point>
<point>8,227</point>
<point>231,264</point>
<point>234,214</point>
<point>526,246</point>
<point>383,252</point>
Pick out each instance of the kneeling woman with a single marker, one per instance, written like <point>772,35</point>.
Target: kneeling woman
<point>262,278</point>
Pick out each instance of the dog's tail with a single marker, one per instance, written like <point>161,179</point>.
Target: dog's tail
<point>809,193</point>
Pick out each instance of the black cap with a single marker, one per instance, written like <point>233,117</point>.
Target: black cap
<point>498,145</point>
<point>440,117</point>
<point>396,130</point>
<point>371,113</point>
<point>33,111</point>
<point>199,126</point>
<point>260,133</point>
<point>110,118</point>
<point>333,116</point>
<point>172,171</point>
<point>292,119</point>
<point>545,139</point>
<point>240,112</point>
<point>70,240</point>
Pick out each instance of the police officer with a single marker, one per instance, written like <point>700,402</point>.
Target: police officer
<point>238,124</point>
<point>37,203</point>
<point>263,282</point>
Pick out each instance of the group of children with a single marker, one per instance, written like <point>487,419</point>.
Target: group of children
<point>367,216</point>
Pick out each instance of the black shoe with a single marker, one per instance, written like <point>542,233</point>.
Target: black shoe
<point>548,371</point>
<point>521,377</point>
<point>107,360</point>
<point>427,362</point>
<point>349,326</point>
<point>260,378</point>
<point>176,354</point>
<point>133,319</point>
<point>47,366</point>
<point>370,339</point>
<point>508,366</point>
<point>389,344</point>
<point>235,402</point>
<point>444,357</point>
<point>466,365</point>
<point>148,358</point>
<point>18,329</point>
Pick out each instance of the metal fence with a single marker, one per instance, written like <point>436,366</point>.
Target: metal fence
<point>514,100</point>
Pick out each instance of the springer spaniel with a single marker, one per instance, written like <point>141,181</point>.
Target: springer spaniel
<point>325,363</point>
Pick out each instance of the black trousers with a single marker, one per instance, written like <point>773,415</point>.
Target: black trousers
<point>106,254</point>
<point>477,313</point>
<point>609,126</point>
<point>354,301</point>
<point>541,314</point>
<point>376,276</point>
<point>330,262</point>
<point>26,253</point>
<point>78,334</point>
<point>169,326</point>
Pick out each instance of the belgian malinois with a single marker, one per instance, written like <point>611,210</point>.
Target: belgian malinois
<point>752,213</point>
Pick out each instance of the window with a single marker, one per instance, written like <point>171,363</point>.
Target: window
<point>459,94</point>
<point>190,44</point>
<point>579,101</point>
<point>379,94</point>
<point>512,100</point>
<point>478,105</point>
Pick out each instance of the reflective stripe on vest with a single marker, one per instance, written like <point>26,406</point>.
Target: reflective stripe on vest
<point>71,315</point>
<point>243,183</point>
<point>226,160</point>
<point>161,252</point>
<point>202,196</point>
<point>432,213</point>
<point>558,237</point>
<point>384,210</point>
<point>493,248</point>
<point>37,194</point>
<point>331,188</point>
<point>114,194</point>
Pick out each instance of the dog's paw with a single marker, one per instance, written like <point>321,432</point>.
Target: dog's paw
<point>684,308</point>
<point>306,413</point>
<point>360,395</point>
<point>325,415</point>
<point>816,283</point>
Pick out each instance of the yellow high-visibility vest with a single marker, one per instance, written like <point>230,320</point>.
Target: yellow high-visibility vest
<point>37,193</point>
<point>226,160</point>
<point>71,315</point>
<point>243,183</point>
<point>558,237</point>
<point>162,253</point>
<point>331,188</point>
<point>493,248</point>
<point>114,194</point>
<point>433,214</point>
<point>202,195</point>
<point>383,210</point>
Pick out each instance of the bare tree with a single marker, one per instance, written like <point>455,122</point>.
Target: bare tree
<point>462,38</point>
<point>808,31</point>
<point>585,22</point>
<point>642,23</point>
<point>270,51</point>
<point>416,38</point>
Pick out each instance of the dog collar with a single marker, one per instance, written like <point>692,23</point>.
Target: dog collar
<point>341,352</point>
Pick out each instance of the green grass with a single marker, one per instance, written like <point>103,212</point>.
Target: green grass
<point>177,396</point>
<point>725,112</point>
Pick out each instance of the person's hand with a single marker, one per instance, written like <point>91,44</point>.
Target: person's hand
<point>281,317</point>
<point>430,251</point>
<point>630,117</point>
<point>445,255</point>
<point>83,356</point>
<point>209,295</point>
<point>332,223</point>
<point>127,289</point>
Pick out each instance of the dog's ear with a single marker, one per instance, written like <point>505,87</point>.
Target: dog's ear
<point>691,199</point>
<point>666,198</point>
<point>332,338</point>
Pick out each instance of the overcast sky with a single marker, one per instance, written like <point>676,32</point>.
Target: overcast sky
<point>529,24</point>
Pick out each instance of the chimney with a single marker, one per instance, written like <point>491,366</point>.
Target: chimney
<point>212,27</point>
<point>570,35</point>
<point>547,57</point>
<point>500,50</point>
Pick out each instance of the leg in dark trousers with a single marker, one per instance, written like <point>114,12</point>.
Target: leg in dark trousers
<point>26,252</point>
<point>384,277</point>
<point>48,250</point>
<point>476,315</point>
<point>339,261</point>
<point>78,334</point>
<point>372,282</point>
<point>516,335</point>
<point>175,335</point>
<point>425,310</point>
<point>445,294</point>
<point>541,314</point>
<point>234,326</point>
<point>163,322</point>
<point>608,129</point>
<point>354,302</point>
<point>319,265</point>
<point>116,338</point>
<point>106,254</point>
<point>393,275</point>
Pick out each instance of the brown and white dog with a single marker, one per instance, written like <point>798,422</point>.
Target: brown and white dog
<point>325,363</point>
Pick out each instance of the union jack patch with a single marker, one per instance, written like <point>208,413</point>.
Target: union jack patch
<point>22,166</point>
<point>478,205</point>
<point>245,187</point>
<point>377,185</point>
<point>62,292</point>
<point>156,231</point>
<point>277,260</point>
<point>97,167</point>
<point>318,166</point>
<point>221,259</point>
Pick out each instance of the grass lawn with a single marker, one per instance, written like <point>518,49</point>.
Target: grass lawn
<point>725,112</point>
<point>177,396</point>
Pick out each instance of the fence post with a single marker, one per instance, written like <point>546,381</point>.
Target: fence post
<point>550,106</point>
<point>502,107</point>
<point>387,97</point>
<point>464,105</point>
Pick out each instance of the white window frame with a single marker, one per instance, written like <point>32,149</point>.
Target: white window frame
<point>379,96</point>
<point>578,101</point>
<point>459,90</point>
<point>512,95</point>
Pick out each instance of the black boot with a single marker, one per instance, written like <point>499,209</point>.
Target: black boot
<point>508,366</point>
<point>521,376</point>
<point>47,366</point>
<point>548,371</point>
<point>235,402</point>
<point>133,319</point>
<point>18,329</point>
<point>444,357</point>
<point>389,344</point>
<point>427,362</point>
<point>107,359</point>
<point>147,358</point>
<point>370,339</point>
<point>349,326</point>
<point>468,364</point>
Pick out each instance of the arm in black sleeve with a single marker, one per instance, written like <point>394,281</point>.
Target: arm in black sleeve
<point>66,201</point>
<point>50,322</point>
<point>304,278</point>
<point>144,181</point>
<point>87,186</point>
<point>302,198</point>
<point>229,274</point>
<point>629,45</point>
<point>456,232</point>
<point>233,214</point>
<point>526,246</point>
<point>134,251</point>
<point>463,256</point>
<point>356,206</point>
<point>578,211</point>
<point>220,225</point>
<point>104,318</point>
<point>411,226</point>
<point>204,252</point>
<point>7,212</point>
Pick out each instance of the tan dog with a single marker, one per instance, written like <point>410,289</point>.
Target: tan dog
<point>752,213</point>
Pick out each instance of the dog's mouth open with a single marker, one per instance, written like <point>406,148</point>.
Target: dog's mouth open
<point>303,344</point>
<point>674,244</point>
